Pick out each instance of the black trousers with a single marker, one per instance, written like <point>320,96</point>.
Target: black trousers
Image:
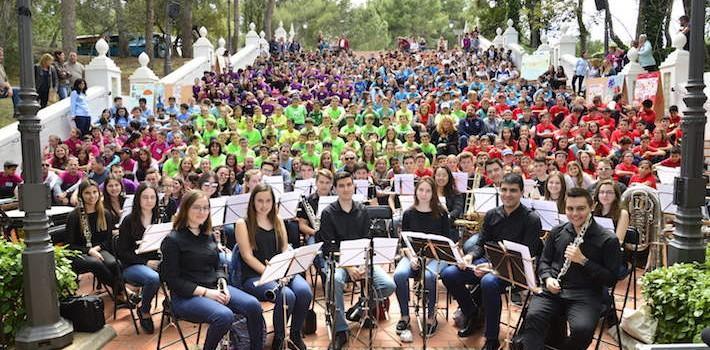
<point>577,81</point>
<point>106,271</point>
<point>581,310</point>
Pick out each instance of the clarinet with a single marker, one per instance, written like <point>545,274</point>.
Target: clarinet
<point>225,343</point>
<point>162,209</point>
<point>84,222</point>
<point>312,218</point>
<point>576,243</point>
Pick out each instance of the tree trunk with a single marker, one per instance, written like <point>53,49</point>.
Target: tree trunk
<point>268,15</point>
<point>667,23</point>
<point>235,37</point>
<point>686,7</point>
<point>186,28</point>
<point>68,26</point>
<point>641,19</point>
<point>583,32</point>
<point>149,22</point>
<point>612,35</point>
<point>533,23</point>
<point>121,29</point>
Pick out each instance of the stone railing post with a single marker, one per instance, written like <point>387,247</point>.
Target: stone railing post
<point>102,71</point>
<point>499,41</point>
<point>142,80</point>
<point>674,72</point>
<point>252,38</point>
<point>510,36</point>
<point>567,43</point>
<point>280,33</point>
<point>263,44</point>
<point>204,48</point>
<point>631,71</point>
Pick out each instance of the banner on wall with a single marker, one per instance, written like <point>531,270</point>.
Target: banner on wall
<point>649,87</point>
<point>606,87</point>
<point>533,66</point>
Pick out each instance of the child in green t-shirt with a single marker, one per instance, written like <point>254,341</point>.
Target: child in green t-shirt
<point>426,146</point>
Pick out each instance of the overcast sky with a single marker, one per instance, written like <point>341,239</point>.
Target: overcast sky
<point>623,12</point>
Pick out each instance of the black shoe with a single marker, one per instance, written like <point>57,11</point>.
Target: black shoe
<point>368,324</point>
<point>431,328</point>
<point>492,344</point>
<point>474,323</point>
<point>296,342</point>
<point>402,325</point>
<point>277,344</point>
<point>340,340</point>
<point>354,313</point>
<point>146,323</point>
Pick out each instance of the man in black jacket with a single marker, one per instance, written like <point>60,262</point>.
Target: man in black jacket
<point>578,292</point>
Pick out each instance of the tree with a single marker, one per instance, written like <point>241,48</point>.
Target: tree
<point>68,26</point>
<point>186,28</point>
<point>149,23</point>
<point>122,30</point>
<point>610,25</point>
<point>583,32</point>
<point>651,17</point>
<point>268,16</point>
<point>413,17</point>
<point>235,36</point>
<point>254,13</point>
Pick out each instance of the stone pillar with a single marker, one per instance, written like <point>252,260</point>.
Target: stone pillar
<point>674,73</point>
<point>630,72</point>
<point>204,48</point>
<point>280,33</point>
<point>102,71</point>
<point>263,45</point>
<point>221,61</point>
<point>140,80</point>
<point>498,41</point>
<point>568,42</point>
<point>510,36</point>
<point>252,38</point>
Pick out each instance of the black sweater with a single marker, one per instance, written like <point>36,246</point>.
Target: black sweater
<point>417,221</point>
<point>129,233</point>
<point>75,233</point>
<point>190,261</point>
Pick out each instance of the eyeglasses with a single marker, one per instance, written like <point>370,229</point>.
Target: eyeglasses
<point>349,158</point>
<point>210,184</point>
<point>202,209</point>
<point>45,165</point>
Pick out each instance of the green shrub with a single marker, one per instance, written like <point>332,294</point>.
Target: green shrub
<point>679,297</point>
<point>12,308</point>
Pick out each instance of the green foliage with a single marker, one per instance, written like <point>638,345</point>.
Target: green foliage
<point>413,18</point>
<point>12,309</point>
<point>326,16</point>
<point>679,297</point>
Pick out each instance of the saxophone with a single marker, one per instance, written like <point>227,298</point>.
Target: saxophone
<point>162,209</point>
<point>84,223</point>
<point>576,243</point>
<point>315,221</point>
<point>471,219</point>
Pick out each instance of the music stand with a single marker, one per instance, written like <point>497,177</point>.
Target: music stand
<point>288,204</point>
<point>217,209</point>
<point>404,183</point>
<point>546,210</point>
<point>486,199</point>
<point>426,247</point>
<point>285,265</point>
<point>236,208</point>
<point>153,237</point>
<point>307,186</point>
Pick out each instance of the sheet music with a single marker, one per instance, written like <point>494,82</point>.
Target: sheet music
<point>527,261</point>
<point>529,185</point>
<point>276,268</point>
<point>324,201</point>
<point>303,258</point>
<point>435,238</point>
<point>153,237</point>
<point>359,198</point>
<point>461,180</point>
<point>665,197</point>
<point>307,186</point>
<point>276,182</point>
<point>288,204</point>
<point>361,187</point>
<point>606,223</point>
<point>546,210</point>
<point>485,199</point>
<point>666,174</point>
<point>353,252</point>
<point>217,210</point>
<point>385,250</point>
<point>127,207</point>
<point>406,201</point>
<point>236,208</point>
<point>404,183</point>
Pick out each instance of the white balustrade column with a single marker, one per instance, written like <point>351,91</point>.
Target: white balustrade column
<point>102,71</point>
<point>204,48</point>
<point>674,73</point>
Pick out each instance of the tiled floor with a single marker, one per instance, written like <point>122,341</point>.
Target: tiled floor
<point>385,336</point>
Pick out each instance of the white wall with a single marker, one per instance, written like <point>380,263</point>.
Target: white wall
<point>54,121</point>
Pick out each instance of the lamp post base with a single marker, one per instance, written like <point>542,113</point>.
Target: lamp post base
<point>684,253</point>
<point>54,336</point>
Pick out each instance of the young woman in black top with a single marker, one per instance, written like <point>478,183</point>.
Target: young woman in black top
<point>94,241</point>
<point>426,216</point>
<point>446,187</point>
<point>140,268</point>
<point>114,195</point>
<point>260,238</point>
<point>191,267</point>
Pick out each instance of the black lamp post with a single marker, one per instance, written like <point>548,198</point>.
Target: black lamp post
<point>45,329</point>
<point>172,9</point>
<point>687,244</point>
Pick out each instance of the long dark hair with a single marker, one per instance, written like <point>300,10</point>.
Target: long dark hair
<point>615,209</point>
<point>101,222</point>
<point>188,199</point>
<point>107,197</point>
<point>252,224</point>
<point>434,203</point>
<point>563,190</point>
<point>135,215</point>
<point>449,189</point>
<point>77,86</point>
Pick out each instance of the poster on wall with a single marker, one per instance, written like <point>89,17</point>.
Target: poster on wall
<point>154,95</point>
<point>648,87</point>
<point>596,87</point>
<point>614,86</point>
<point>533,66</point>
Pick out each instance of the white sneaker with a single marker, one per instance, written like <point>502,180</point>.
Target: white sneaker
<point>406,336</point>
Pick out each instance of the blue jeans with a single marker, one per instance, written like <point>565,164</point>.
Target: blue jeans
<point>220,317</point>
<point>404,272</point>
<point>382,283</point>
<point>491,286</point>
<point>63,91</point>
<point>470,243</point>
<point>83,123</point>
<point>298,298</point>
<point>147,279</point>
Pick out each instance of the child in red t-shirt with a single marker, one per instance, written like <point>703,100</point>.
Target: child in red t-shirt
<point>622,131</point>
<point>644,175</point>
<point>674,160</point>
<point>422,170</point>
<point>626,169</point>
<point>647,114</point>
<point>545,129</point>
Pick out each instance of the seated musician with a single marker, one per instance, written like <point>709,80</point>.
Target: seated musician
<point>575,277</point>
<point>362,173</point>
<point>260,237</point>
<point>493,178</point>
<point>446,187</point>
<point>427,215</point>
<point>324,185</point>
<point>191,268</point>
<point>511,221</point>
<point>340,221</point>
<point>141,268</point>
<point>88,230</point>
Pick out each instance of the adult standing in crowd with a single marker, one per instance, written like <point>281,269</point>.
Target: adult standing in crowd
<point>46,79</point>
<point>581,70</point>
<point>646,59</point>
<point>74,68</point>
<point>79,110</point>
<point>62,74</point>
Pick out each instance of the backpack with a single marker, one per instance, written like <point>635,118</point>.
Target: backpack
<point>239,334</point>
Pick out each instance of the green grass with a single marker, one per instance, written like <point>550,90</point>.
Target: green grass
<point>6,112</point>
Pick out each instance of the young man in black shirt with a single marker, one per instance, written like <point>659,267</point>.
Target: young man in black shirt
<point>345,220</point>
<point>511,221</point>
<point>579,293</point>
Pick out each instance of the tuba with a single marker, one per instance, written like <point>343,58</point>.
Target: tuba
<point>471,220</point>
<point>645,216</point>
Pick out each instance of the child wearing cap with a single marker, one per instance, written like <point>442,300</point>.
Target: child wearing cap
<point>9,179</point>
